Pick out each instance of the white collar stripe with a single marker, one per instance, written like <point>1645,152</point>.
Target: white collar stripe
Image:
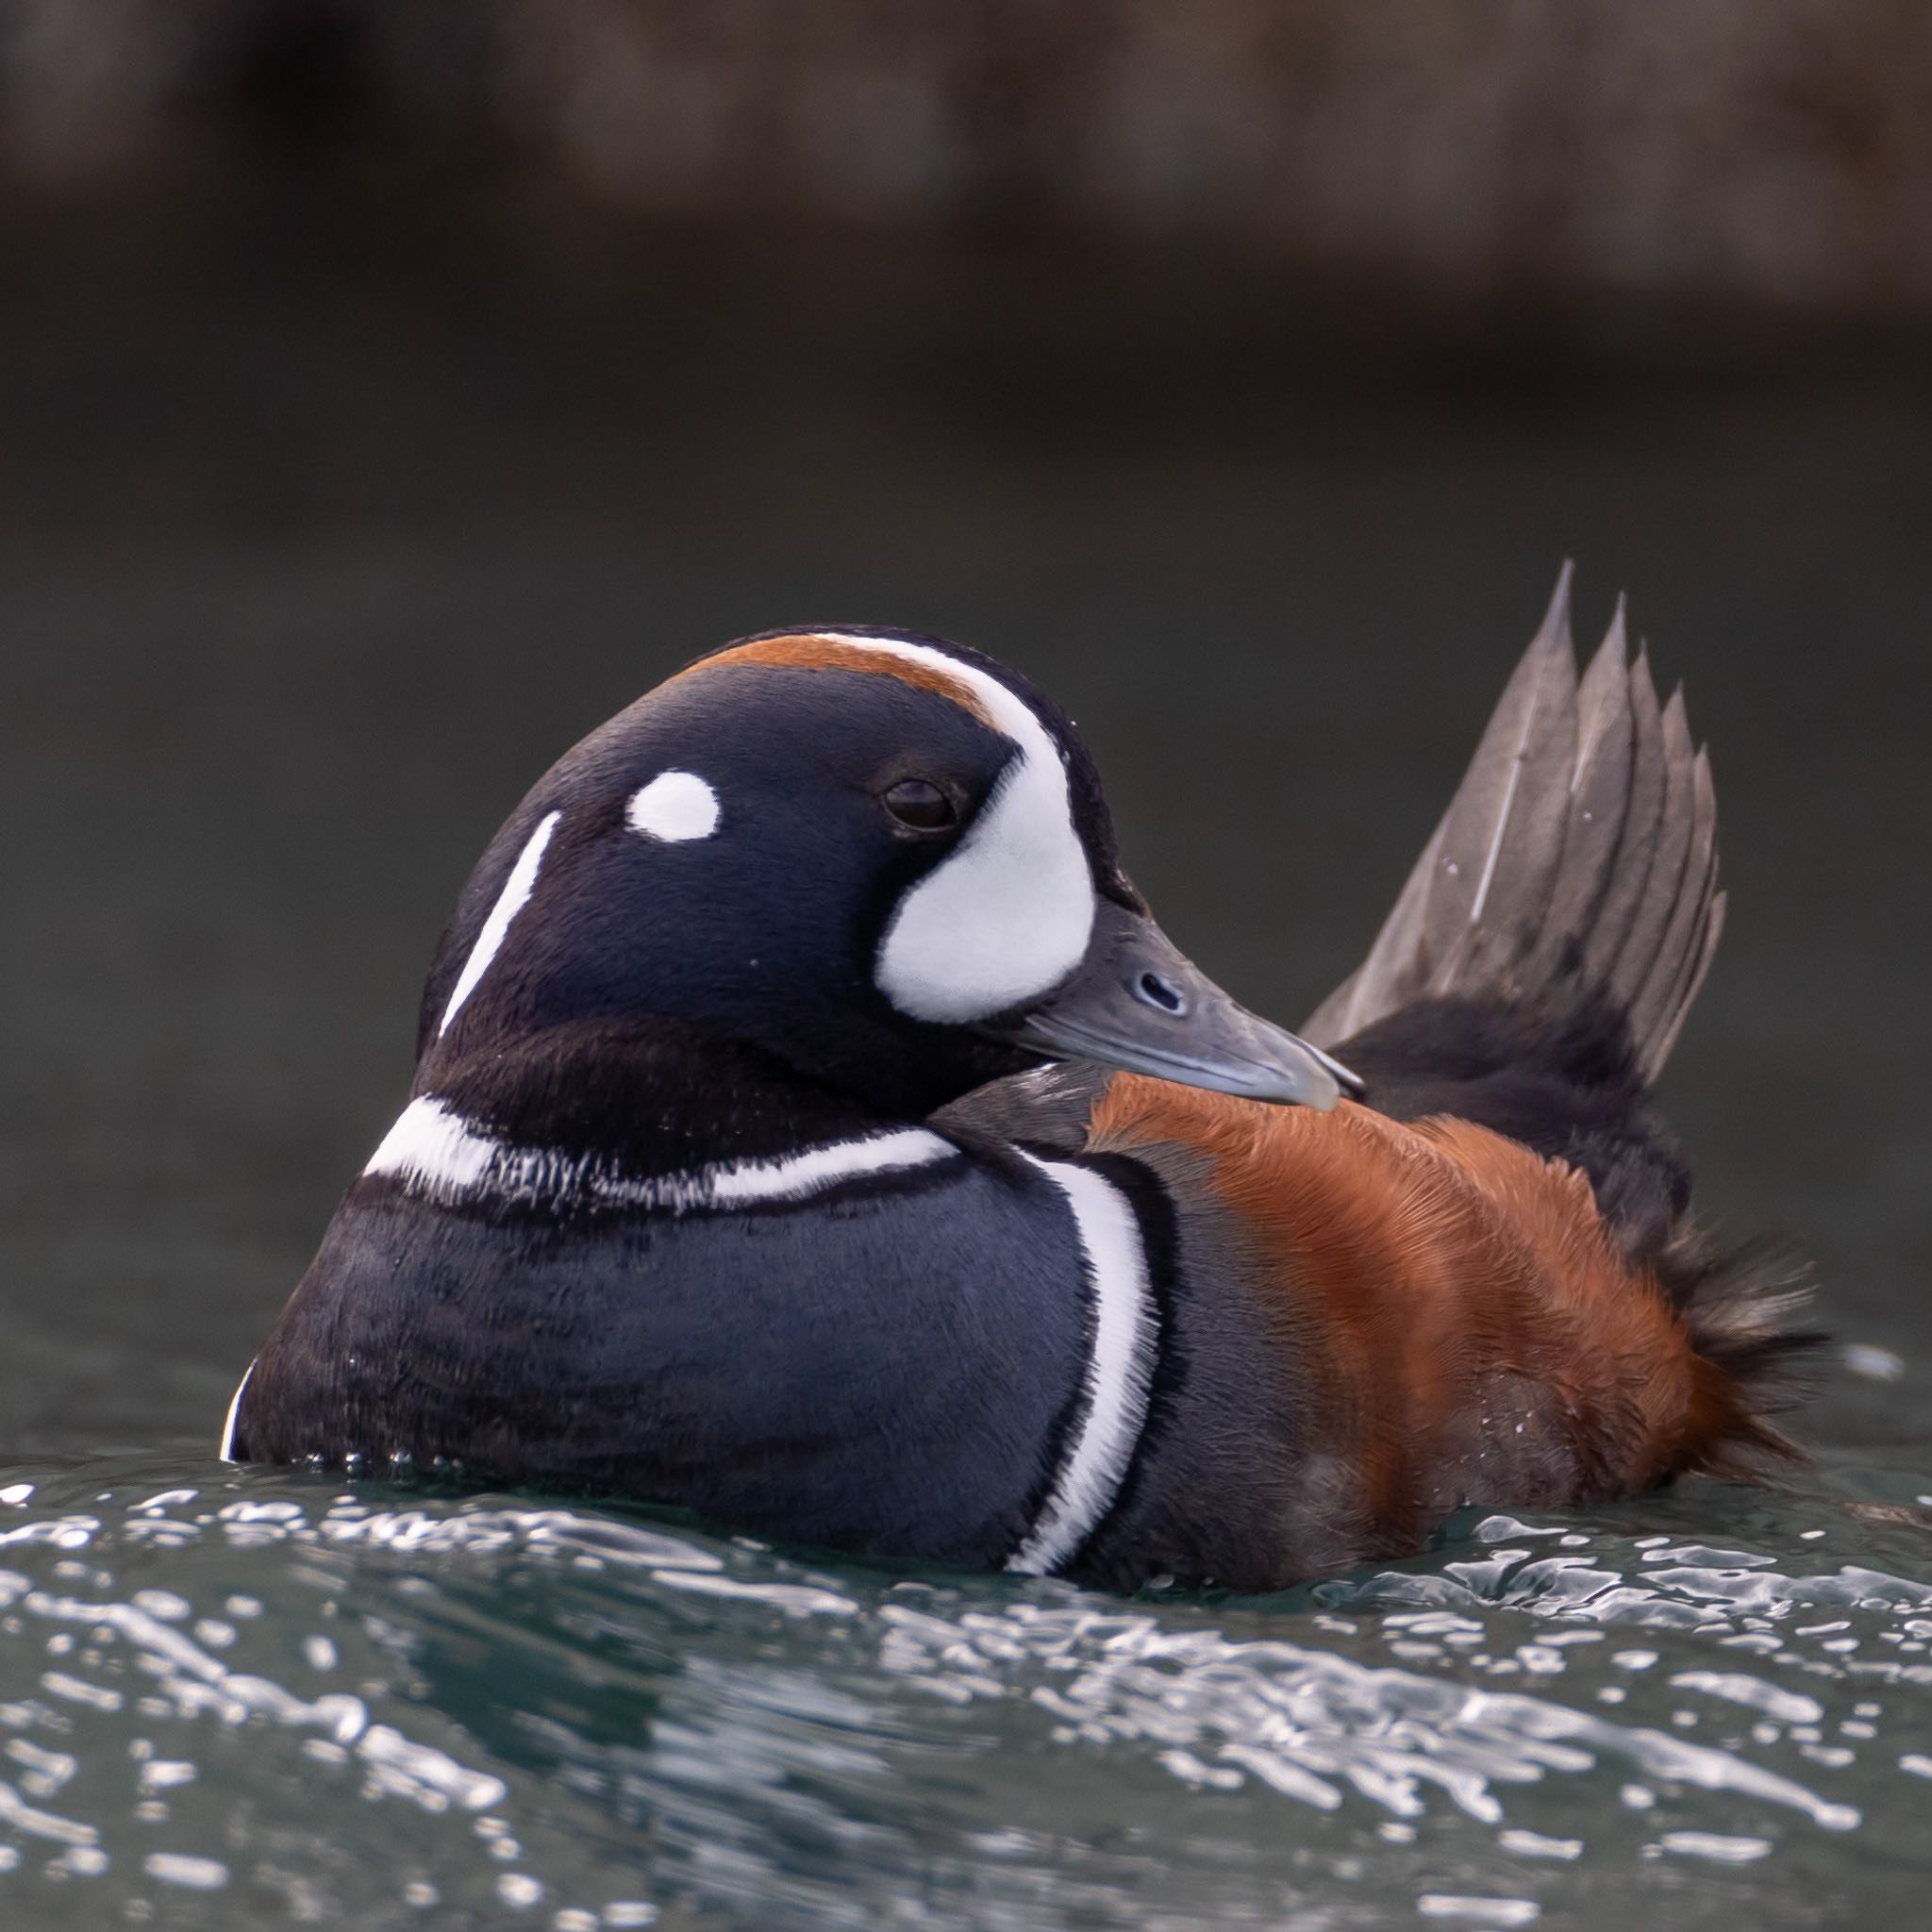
<point>433,1151</point>
<point>1120,1369</point>
<point>510,902</point>
<point>743,1183</point>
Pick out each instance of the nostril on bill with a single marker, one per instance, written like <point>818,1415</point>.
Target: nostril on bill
<point>1156,991</point>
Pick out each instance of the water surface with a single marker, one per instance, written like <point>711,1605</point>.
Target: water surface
<point>303,579</point>
<point>236,1698</point>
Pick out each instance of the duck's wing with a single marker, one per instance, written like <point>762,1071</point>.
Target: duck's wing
<point>1455,1324</point>
<point>1046,1110</point>
<point>1576,865</point>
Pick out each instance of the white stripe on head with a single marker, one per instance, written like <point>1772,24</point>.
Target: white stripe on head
<point>510,902</point>
<point>433,1151</point>
<point>226,1451</point>
<point>1006,916</point>
<point>674,807</point>
<point>1119,1369</point>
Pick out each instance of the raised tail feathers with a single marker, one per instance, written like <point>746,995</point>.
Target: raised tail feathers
<point>1577,865</point>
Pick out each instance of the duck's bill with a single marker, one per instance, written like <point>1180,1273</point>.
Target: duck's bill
<point>1135,1002</point>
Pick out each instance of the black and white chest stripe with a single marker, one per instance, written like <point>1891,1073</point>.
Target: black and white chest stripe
<point>1123,1339</point>
<point>434,1154</point>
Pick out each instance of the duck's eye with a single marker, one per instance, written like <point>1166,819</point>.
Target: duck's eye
<point>921,804</point>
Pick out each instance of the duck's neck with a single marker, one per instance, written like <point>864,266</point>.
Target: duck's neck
<point>632,1101</point>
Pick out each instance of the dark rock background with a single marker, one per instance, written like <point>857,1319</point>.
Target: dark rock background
<point>1472,156</point>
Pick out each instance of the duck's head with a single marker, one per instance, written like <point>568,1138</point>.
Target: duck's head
<point>878,857</point>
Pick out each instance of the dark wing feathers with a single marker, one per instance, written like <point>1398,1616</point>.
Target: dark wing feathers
<point>1519,843</point>
<point>1593,825</point>
<point>1576,863</point>
<point>1455,921</point>
<point>1670,845</point>
<point>1643,806</point>
<point>1694,965</point>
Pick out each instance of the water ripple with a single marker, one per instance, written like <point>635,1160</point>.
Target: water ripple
<point>210,1688</point>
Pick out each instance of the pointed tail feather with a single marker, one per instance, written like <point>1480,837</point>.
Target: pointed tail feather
<point>1576,863</point>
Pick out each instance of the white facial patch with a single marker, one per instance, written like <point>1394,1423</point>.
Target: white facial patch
<point>674,807</point>
<point>1007,914</point>
<point>510,902</point>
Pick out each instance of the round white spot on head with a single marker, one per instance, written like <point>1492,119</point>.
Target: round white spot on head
<point>1007,915</point>
<point>674,807</point>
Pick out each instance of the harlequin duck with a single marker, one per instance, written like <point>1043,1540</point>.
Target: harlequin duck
<point>812,1128</point>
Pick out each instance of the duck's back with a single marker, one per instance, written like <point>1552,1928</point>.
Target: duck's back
<point>1482,1279</point>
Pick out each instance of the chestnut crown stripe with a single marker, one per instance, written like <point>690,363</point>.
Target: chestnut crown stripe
<point>825,651</point>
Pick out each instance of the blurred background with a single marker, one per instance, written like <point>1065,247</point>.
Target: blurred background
<point>390,390</point>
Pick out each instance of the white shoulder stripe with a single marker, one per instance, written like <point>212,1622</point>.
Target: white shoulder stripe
<point>510,902</point>
<point>1119,1371</point>
<point>433,1152</point>
<point>226,1452</point>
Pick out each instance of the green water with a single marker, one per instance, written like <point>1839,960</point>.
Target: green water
<point>234,1699</point>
